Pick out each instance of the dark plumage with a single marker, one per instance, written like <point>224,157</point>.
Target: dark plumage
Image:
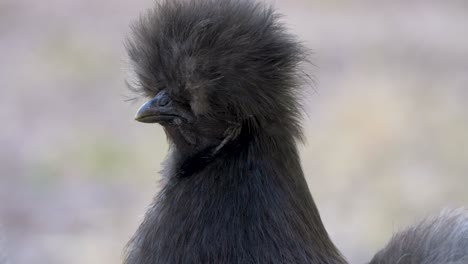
<point>222,78</point>
<point>442,240</point>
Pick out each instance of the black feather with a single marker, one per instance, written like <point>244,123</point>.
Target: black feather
<point>233,188</point>
<point>442,240</point>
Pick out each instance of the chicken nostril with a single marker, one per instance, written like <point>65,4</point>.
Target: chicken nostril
<point>163,101</point>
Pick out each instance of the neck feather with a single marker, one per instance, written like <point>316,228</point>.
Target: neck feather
<point>249,203</point>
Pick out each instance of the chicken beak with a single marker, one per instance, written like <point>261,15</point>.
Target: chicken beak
<point>145,111</point>
<point>150,112</point>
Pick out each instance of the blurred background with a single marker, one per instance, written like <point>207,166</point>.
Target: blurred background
<point>386,124</point>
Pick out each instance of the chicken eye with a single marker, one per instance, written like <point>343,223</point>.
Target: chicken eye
<point>164,101</point>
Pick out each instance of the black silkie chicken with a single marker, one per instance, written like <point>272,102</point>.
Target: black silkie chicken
<point>222,78</point>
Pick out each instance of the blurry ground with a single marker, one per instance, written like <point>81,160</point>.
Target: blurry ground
<point>387,128</point>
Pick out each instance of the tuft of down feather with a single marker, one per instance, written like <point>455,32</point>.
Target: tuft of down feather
<point>442,239</point>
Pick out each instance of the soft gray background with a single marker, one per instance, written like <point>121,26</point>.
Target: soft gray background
<point>387,125</point>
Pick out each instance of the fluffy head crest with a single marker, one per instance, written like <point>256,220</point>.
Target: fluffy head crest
<point>229,59</point>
